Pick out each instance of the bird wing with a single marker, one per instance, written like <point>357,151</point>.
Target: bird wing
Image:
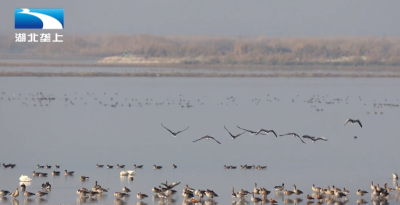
<point>200,139</point>
<point>215,140</point>
<point>168,129</point>
<point>321,138</point>
<point>240,134</point>
<point>301,139</point>
<point>308,137</point>
<point>274,133</point>
<point>347,121</point>
<point>359,123</point>
<point>181,131</point>
<point>245,129</point>
<point>230,133</point>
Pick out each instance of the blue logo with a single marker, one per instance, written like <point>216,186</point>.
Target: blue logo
<point>39,18</point>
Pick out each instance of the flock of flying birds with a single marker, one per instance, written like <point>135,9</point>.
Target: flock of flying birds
<point>262,132</point>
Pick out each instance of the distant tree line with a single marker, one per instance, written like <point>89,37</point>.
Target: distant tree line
<point>227,50</point>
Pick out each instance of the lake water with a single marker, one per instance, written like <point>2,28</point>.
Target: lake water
<point>118,121</point>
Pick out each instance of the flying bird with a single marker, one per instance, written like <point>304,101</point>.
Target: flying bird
<point>249,131</point>
<point>264,131</point>
<point>353,121</point>
<point>174,133</point>
<point>313,139</point>
<point>207,137</point>
<point>294,135</point>
<point>234,136</point>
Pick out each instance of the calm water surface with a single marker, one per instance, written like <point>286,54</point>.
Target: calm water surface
<point>117,120</point>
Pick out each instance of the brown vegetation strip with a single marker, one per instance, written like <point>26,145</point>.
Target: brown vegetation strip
<point>176,74</point>
<point>225,67</point>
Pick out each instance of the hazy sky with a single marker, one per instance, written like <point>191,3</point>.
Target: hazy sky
<point>229,17</point>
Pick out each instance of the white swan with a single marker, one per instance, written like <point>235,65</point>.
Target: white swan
<point>48,21</point>
<point>25,178</point>
<point>127,172</point>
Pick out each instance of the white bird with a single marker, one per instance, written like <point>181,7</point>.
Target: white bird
<point>25,178</point>
<point>395,176</point>
<point>127,172</point>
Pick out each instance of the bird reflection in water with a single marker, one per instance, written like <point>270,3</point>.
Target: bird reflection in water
<point>118,201</point>
<point>288,201</point>
<point>41,200</point>
<point>15,202</point>
<point>141,203</point>
<point>28,201</point>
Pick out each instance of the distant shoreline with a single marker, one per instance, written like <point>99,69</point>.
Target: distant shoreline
<point>230,70</point>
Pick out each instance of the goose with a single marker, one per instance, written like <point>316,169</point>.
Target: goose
<point>314,139</point>
<point>287,192</point>
<point>48,166</point>
<point>211,194</point>
<point>120,194</point>
<point>24,178</point>
<point>101,190</point>
<point>83,178</point>
<point>69,173</point>
<point>310,197</point>
<point>155,190</point>
<point>99,165</point>
<point>294,135</point>
<point>361,192</point>
<point>28,194</point>
<point>47,186</point>
<point>188,188</point>
<point>57,166</point>
<point>174,166</point>
<point>297,191</point>
<point>255,190</point>
<point>261,167</point>
<point>138,166</point>
<point>126,190</point>
<point>170,186</point>
<point>272,201</point>
<point>40,167</point>
<point>315,189</point>
<point>264,191</point>
<point>82,192</point>
<point>233,193</point>
<point>55,173</point>
<point>345,191</point>
<point>279,188</point>
<point>15,193</point>
<point>353,121</point>
<point>4,193</point>
<point>41,174</point>
<point>5,165</point>
<point>266,132</point>
<point>242,191</point>
<point>141,196</point>
<point>388,189</point>
<point>200,192</point>
<point>40,193</point>
<point>395,176</point>
<point>339,194</point>
<point>174,133</point>
<point>157,167</point>
<point>120,166</point>
<point>109,166</point>
<point>170,192</point>
<point>23,187</point>
<point>207,137</point>
<point>255,199</point>
<point>162,195</point>
<point>234,136</point>
<point>35,174</point>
